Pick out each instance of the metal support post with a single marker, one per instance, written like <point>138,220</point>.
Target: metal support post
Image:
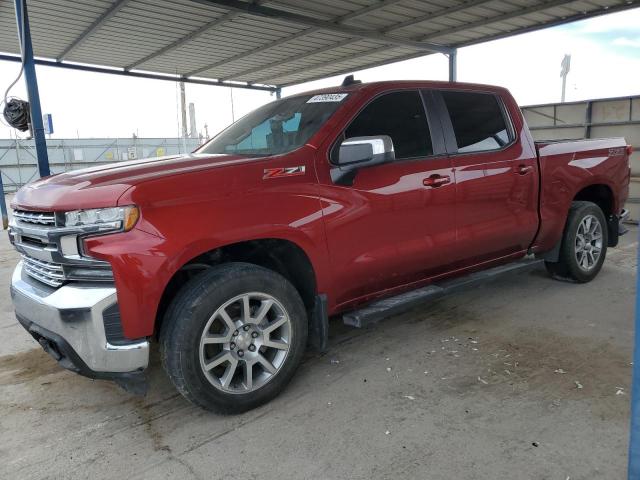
<point>453,65</point>
<point>37,126</point>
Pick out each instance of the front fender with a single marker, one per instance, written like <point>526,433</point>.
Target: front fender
<point>145,259</point>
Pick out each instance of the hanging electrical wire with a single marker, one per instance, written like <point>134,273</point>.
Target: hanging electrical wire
<point>16,112</point>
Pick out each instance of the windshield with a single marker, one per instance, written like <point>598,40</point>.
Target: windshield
<point>275,128</point>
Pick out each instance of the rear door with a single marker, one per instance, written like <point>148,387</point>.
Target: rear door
<point>393,225</point>
<point>496,179</point>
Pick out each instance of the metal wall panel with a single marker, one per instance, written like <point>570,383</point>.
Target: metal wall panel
<point>18,164</point>
<point>597,118</point>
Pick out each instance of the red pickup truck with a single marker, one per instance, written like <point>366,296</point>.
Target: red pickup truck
<point>314,205</point>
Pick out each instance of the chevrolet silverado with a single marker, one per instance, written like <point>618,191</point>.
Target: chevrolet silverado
<point>233,257</point>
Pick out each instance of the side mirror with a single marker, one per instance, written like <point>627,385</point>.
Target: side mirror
<point>360,152</point>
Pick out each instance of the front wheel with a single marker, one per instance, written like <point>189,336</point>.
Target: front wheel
<point>233,337</point>
<point>584,244</point>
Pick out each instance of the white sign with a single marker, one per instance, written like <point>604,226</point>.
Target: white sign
<point>47,119</point>
<point>132,153</point>
<point>327,97</point>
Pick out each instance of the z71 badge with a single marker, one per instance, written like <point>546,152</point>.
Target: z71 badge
<point>283,172</point>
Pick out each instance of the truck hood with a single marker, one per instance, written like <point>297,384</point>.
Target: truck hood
<point>103,185</point>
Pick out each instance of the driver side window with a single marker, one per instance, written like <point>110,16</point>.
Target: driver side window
<point>400,115</point>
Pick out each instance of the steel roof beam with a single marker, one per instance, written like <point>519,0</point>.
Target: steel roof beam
<point>229,16</point>
<point>181,41</point>
<point>500,18</point>
<point>437,14</point>
<point>551,23</point>
<point>347,70</point>
<point>364,11</point>
<point>479,23</point>
<point>353,56</point>
<point>109,13</point>
<point>137,74</point>
<point>245,54</point>
<point>187,38</point>
<point>309,31</point>
<point>303,55</point>
<point>269,12</point>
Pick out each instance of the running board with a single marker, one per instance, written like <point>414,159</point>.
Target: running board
<point>380,309</point>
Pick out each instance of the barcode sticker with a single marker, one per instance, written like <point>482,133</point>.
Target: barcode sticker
<point>327,97</point>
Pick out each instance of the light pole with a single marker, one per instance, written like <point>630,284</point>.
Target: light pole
<point>566,66</point>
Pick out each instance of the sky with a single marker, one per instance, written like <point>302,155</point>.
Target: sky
<point>605,62</point>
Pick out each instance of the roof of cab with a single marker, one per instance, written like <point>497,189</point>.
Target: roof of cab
<point>393,84</point>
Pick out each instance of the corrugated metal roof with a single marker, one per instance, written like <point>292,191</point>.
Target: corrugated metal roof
<point>275,42</point>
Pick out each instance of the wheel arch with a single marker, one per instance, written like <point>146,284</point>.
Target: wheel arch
<point>281,255</point>
<point>599,193</point>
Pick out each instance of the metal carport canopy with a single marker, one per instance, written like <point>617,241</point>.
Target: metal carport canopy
<point>270,44</point>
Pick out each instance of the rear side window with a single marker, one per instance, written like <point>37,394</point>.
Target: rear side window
<point>400,115</point>
<point>478,121</point>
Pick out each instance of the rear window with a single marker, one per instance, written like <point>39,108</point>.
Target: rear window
<point>478,121</point>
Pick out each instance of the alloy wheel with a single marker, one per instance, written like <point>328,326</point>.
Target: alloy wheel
<point>245,343</point>
<point>588,245</point>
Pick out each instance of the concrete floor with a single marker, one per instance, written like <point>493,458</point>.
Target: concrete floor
<point>525,378</point>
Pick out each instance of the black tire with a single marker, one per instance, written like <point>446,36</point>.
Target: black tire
<point>567,268</point>
<point>187,317</point>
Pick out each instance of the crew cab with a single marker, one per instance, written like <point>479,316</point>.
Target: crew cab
<point>233,257</point>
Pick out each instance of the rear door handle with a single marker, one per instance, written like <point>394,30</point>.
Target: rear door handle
<point>524,169</point>
<point>436,180</point>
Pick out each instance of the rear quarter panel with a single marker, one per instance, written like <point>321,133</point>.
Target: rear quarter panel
<point>568,167</point>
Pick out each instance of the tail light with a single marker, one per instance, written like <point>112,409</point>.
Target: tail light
<point>629,150</point>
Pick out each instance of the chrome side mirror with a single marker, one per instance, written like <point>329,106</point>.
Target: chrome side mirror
<point>360,152</point>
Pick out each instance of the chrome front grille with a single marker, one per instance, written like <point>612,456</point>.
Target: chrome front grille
<point>35,218</point>
<point>51,253</point>
<point>47,272</point>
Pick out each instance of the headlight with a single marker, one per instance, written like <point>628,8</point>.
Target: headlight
<point>114,218</point>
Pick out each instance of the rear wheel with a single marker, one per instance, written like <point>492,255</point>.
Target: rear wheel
<point>233,337</point>
<point>584,244</point>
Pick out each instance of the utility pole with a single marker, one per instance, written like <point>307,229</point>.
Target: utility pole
<point>193,133</point>
<point>183,111</point>
<point>566,66</point>
<point>233,113</point>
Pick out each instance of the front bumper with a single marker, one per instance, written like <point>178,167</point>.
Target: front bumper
<point>68,322</point>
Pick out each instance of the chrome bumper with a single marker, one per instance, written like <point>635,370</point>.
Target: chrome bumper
<point>68,323</point>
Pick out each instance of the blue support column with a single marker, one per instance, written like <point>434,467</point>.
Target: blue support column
<point>37,127</point>
<point>634,440</point>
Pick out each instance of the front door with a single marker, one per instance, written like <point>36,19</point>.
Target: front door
<point>396,223</point>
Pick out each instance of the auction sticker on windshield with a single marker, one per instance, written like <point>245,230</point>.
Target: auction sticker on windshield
<point>327,97</point>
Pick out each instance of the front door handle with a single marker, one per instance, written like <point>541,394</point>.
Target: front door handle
<point>436,180</point>
<point>524,169</point>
